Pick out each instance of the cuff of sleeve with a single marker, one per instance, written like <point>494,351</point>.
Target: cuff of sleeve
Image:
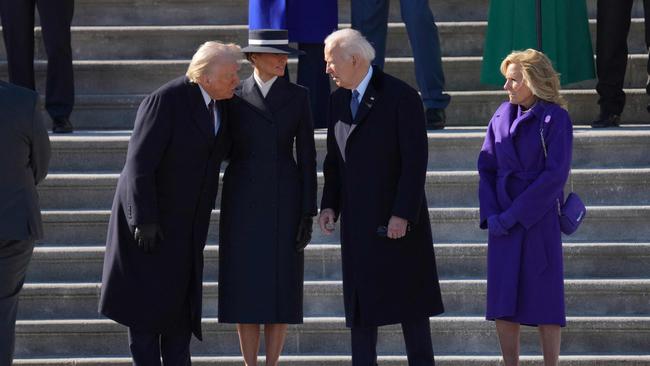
<point>507,220</point>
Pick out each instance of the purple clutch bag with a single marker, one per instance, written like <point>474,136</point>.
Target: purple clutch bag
<point>572,212</point>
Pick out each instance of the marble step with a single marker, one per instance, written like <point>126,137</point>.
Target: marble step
<point>457,38</point>
<point>148,12</point>
<point>574,360</point>
<point>443,188</point>
<point>453,225</point>
<point>466,336</point>
<point>450,149</point>
<point>584,297</point>
<point>61,264</point>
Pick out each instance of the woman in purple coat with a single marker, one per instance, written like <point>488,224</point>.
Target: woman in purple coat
<point>523,166</point>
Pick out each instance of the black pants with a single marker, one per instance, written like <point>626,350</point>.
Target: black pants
<point>613,26</point>
<point>147,348</point>
<point>311,75</point>
<point>417,338</point>
<point>14,258</point>
<point>18,31</point>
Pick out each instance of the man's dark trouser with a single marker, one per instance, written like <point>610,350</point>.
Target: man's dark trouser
<point>147,348</point>
<point>18,31</point>
<point>311,75</point>
<point>613,26</point>
<point>14,258</point>
<point>417,338</point>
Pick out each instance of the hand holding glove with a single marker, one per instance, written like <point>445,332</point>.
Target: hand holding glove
<point>147,236</point>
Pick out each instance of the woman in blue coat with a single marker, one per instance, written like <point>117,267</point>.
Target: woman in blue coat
<point>268,201</point>
<point>519,192</point>
<point>308,23</point>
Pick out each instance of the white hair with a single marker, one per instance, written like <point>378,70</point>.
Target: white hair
<point>351,42</point>
<point>209,54</point>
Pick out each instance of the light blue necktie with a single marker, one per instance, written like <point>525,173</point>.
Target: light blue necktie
<point>354,103</point>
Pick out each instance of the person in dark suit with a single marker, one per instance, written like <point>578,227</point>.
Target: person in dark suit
<point>375,171</point>
<point>370,17</point>
<point>268,201</point>
<point>24,161</point>
<point>153,267</point>
<point>18,32</point>
<point>613,21</point>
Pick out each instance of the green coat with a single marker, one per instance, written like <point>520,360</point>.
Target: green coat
<point>565,37</point>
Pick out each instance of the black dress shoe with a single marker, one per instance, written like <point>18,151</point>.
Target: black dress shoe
<point>609,120</point>
<point>436,118</point>
<point>61,125</point>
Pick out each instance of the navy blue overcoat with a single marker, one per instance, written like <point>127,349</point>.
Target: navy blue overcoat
<point>171,177</point>
<point>385,281</point>
<point>266,191</point>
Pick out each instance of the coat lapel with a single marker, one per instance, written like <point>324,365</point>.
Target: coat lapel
<point>370,97</point>
<point>279,95</point>
<point>250,93</point>
<point>199,110</point>
<point>505,138</point>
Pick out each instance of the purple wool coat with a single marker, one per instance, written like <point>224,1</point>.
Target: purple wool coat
<point>519,191</point>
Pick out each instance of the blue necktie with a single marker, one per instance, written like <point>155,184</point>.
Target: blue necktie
<point>211,113</point>
<point>354,103</point>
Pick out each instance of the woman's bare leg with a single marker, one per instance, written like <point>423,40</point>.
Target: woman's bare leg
<point>549,336</point>
<point>274,335</point>
<point>249,342</point>
<point>508,333</point>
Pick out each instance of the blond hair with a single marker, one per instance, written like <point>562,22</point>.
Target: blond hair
<point>351,42</point>
<point>538,74</point>
<point>209,54</point>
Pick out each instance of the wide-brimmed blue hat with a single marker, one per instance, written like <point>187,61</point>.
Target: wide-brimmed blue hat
<point>269,41</point>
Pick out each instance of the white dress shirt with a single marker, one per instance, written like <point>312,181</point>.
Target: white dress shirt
<point>264,86</point>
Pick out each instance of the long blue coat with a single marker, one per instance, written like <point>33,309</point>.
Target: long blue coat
<point>379,172</point>
<point>522,187</point>
<point>171,177</point>
<point>266,191</point>
<point>307,21</point>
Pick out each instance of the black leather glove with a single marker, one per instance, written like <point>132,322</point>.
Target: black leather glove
<point>304,232</point>
<point>147,236</point>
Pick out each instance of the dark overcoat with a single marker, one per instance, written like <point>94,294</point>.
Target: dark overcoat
<point>265,193</point>
<point>382,174</point>
<point>23,163</point>
<point>171,178</point>
<point>306,21</point>
<point>525,278</point>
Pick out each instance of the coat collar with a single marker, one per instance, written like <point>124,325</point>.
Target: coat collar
<point>370,96</point>
<point>199,111</point>
<point>536,112</point>
<point>279,95</point>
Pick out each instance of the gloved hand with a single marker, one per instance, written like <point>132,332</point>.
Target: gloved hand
<point>147,236</point>
<point>304,232</point>
<point>495,227</point>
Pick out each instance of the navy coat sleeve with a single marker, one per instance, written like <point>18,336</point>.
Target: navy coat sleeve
<point>533,203</point>
<point>332,189</point>
<point>40,147</point>
<point>487,171</point>
<point>306,156</point>
<point>151,134</point>
<point>412,140</point>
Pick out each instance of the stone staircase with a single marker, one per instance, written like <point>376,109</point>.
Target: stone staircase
<point>124,49</point>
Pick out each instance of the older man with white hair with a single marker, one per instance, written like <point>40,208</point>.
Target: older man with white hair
<point>153,267</point>
<point>375,172</point>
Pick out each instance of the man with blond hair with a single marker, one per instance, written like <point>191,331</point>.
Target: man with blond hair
<point>153,267</point>
<point>375,172</point>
